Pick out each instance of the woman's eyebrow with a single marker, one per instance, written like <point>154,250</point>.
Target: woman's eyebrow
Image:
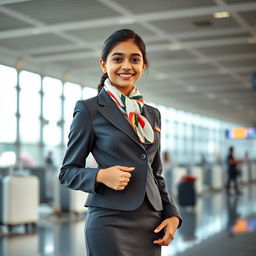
<point>120,53</point>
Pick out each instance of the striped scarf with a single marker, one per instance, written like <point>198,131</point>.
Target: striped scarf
<point>132,106</point>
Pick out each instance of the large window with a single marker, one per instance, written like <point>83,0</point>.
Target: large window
<point>30,85</point>
<point>72,93</point>
<point>89,92</point>
<point>8,104</point>
<point>52,89</point>
<point>186,136</point>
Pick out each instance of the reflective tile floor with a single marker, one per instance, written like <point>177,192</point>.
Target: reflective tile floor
<point>219,225</point>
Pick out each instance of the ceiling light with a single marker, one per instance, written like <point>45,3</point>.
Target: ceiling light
<point>175,47</point>
<point>127,20</point>
<point>252,40</point>
<point>221,15</point>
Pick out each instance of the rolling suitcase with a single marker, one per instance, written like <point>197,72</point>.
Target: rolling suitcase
<point>67,200</point>
<point>72,200</point>
<point>186,193</point>
<point>19,200</point>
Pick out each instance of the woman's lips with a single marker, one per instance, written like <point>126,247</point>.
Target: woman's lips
<point>125,76</point>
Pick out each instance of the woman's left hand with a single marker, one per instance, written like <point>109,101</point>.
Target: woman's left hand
<point>169,225</point>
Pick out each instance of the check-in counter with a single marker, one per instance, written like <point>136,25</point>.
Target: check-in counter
<point>217,177</point>
<point>245,175</point>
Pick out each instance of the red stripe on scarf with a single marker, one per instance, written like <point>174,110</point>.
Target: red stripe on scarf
<point>112,95</point>
<point>141,121</point>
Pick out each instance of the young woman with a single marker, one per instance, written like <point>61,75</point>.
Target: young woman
<point>130,212</point>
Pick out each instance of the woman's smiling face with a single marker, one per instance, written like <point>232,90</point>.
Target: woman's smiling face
<point>124,66</point>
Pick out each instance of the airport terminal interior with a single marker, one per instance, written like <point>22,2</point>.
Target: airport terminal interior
<point>202,79</point>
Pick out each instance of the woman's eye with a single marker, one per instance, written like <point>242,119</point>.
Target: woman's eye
<point>117,59</point>
<point>135,60</point>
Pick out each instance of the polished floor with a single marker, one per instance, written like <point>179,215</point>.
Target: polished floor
<point>218,225</point>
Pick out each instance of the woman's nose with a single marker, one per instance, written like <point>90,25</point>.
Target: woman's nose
<point>126,64</point>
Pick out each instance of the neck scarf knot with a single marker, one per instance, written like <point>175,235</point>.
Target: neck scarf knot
<point>132,106</point>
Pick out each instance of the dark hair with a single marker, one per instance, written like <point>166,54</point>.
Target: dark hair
<point>118,36</point>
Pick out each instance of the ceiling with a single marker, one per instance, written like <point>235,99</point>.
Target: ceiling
<point>197,63</point>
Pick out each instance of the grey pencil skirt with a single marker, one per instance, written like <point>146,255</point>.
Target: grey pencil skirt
<point>122,233</point>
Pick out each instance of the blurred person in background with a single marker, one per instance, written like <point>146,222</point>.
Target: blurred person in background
<point>49,160</point>
<point>233,172</point>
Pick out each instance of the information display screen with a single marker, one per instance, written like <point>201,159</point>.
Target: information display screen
<point>241,133</point>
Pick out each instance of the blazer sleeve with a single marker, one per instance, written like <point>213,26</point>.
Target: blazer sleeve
<point>74,173</point>
<point>168,204</point>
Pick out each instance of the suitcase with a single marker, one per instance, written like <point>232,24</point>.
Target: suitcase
<point>66,199</point>
<point>72,200</point>
<point>19,200</point>
<point>69,200</point>
<point>186,194</point>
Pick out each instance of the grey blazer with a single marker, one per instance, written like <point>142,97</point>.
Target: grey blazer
<point>99,127</point>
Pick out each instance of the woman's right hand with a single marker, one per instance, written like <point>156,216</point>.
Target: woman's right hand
<point>115,177</point>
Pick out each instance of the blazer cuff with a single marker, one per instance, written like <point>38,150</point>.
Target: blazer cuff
<point>171,212</point>
<point>80,179</point>
<point>94,186</point>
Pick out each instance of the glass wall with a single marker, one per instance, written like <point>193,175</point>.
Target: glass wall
<point>8,97</point>
<point>72,93</point>
<point>29,123</point>
<point>52,90</point>
<point>8,117</point>
<point>40,110</point>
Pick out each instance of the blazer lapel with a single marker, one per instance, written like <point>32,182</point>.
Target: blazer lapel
<point>110,111</point>
<point>150,116</point>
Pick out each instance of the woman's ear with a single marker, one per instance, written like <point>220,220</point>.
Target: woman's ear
<point>103,66</point>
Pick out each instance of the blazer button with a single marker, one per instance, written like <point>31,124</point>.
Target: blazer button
<point>143,156</point>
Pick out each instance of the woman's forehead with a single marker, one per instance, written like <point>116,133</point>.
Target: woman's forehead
<point>126,47</point>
